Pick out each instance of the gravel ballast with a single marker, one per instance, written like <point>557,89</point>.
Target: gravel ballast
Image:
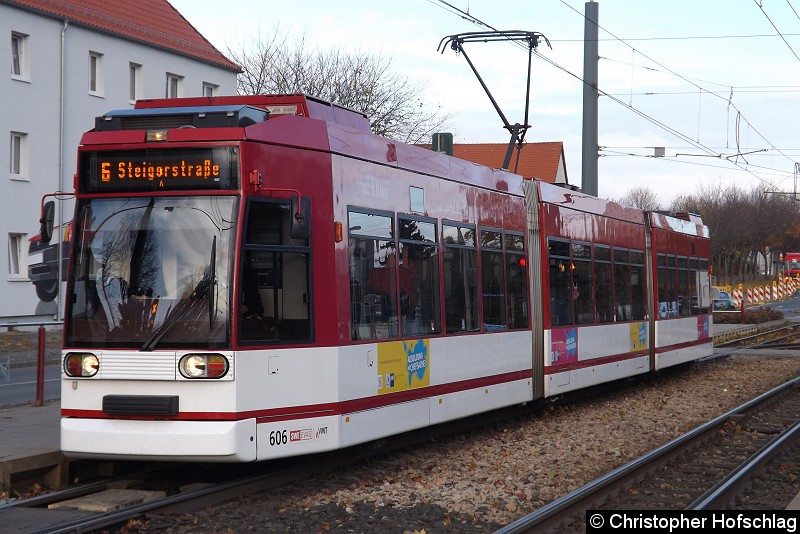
<point>489,478</point>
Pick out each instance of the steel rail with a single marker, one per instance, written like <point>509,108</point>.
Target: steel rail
<point>142,476</point>
<point>593,493</point>
<point>781,346</point>
<point>181,501</point>
<point>756,336</point>
<point>725,492</point>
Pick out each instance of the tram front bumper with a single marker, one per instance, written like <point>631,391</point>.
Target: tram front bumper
<point>195,441</point>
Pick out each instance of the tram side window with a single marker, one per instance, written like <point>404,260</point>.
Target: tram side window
<point>694,292</point>
<point>684,293</point>
<point>622,285</point>
<point>560,282</point>
<point>698,282</point>
<point>516,281</point>
<point>667,285</point>
<point>583,283</point>
<point>698,279</point>
<point>492,280</point>
<point>419,277</point>
<point>275,302</point>
<point>638,286</point>
<point>603,284</point>
<point>460,278</point>
<point>373,269</point>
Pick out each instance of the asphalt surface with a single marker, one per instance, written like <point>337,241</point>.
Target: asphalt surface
<point>20,348</point>
<point>19,353</point>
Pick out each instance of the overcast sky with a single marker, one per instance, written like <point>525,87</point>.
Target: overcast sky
<point>714,82</point>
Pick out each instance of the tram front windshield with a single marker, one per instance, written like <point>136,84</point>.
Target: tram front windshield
<point>152,272</point>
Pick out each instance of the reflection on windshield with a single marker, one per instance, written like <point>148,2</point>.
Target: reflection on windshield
<point>152,271</point>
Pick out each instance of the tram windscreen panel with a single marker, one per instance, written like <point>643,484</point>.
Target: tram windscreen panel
<point>149,271</point>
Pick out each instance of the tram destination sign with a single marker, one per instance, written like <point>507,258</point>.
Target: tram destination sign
<point>106,171</point>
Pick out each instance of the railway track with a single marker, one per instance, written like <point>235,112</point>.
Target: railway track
<point>64,510</point>
<point>173,490</point>
<point>706,468</point>
<point>44,520</point>
<point>765,339</point>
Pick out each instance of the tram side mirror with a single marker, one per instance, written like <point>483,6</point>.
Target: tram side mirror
<point>300,226</point>
<point>46,221</point>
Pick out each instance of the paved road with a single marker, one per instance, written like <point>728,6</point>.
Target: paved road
<point>20,387</point>
<point>790,308</point>
<point>18,360</point>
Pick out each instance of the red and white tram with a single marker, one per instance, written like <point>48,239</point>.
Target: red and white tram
<point>791,264</point>
<point>258,277</point>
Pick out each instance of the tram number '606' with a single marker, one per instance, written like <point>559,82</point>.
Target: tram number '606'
<point>284,437</point>
<point>278,437</point>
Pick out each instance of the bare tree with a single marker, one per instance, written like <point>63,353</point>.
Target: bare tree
<point>642,197</point>
<point>743,225</point>
<point>357,80</point>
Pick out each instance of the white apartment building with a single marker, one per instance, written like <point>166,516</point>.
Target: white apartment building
<point>65,63</point>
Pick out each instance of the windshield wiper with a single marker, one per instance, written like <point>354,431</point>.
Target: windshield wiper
<point>204,288</point>
<point>212,280</point>
<point>169,321</point>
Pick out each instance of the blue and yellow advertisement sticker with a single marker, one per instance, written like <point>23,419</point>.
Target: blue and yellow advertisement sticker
<point>403,365</point>
<point>638,336</point>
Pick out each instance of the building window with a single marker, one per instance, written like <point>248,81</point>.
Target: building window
<point>174,83</point>
<point>210,89</point>
<point>95,73</point>
<point>18,156</point>
<point>135,91</point>
<point>17,256</point>
<point>19,56</point>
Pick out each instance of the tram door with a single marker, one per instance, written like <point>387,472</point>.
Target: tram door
<point>535,262</point>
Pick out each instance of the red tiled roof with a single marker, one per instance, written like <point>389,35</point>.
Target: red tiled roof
<point>154,22</point>
<point>537,160</point>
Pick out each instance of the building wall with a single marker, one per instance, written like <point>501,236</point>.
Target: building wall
<point>561,173</point>
<point>33,106</point>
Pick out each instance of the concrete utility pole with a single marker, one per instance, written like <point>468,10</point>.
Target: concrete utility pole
<point>591,56</point>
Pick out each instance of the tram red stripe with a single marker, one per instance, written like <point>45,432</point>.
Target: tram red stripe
<point>554,369</point>
<point>320,410</point>
<point>379,401</point>
<point>583,364</point>
<point>667,348</point>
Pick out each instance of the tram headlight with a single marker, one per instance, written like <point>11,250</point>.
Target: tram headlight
<point>203,366</point>
<point>83,364</point>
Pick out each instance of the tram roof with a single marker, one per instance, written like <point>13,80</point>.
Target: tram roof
<point>190,116</point>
